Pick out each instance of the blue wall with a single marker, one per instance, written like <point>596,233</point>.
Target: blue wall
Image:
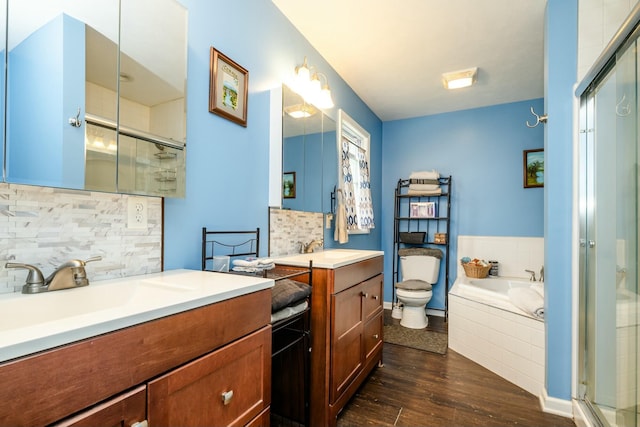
<point>482,151</point>
<point>227,165</point>
<point>560,75</point>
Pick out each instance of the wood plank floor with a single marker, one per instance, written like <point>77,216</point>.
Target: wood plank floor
<point>418,388</point>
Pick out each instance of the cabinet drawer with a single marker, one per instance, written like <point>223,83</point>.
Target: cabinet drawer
<point>123,410</point>
<point>194,395</point>
<point>372,296</point>
<point>373,334</point>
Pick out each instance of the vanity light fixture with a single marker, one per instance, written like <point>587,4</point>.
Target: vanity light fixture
<point>460,79</point>
<point>299,111</point>
<point>310,87</point>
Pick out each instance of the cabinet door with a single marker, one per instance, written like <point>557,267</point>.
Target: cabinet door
<point>124,410</point>
<point>347,345</point>
<point>372,296</point>
<point>373,335</point>
<point>228,387</point>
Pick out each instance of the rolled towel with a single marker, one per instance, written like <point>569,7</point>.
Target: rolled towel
<point>527,300</point>
<point>432,174</point>
<point>424,192</point>
<point>424,187</point>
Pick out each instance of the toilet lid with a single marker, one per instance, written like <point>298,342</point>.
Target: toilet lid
<point>414,285</point>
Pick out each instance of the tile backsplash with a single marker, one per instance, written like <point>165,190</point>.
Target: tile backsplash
<point>514,254</point>
<point>45,227</point>
<point>289,228</point>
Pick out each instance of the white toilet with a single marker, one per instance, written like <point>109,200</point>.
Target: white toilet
<point>420,268</point>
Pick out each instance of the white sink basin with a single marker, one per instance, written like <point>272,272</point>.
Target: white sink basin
<point>340,253</point>
<point>330,258</point>
<point>30,323</point>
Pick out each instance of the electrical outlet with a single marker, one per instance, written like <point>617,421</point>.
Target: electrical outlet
<point>137,213</point>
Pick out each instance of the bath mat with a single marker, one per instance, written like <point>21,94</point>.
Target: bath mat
<point>421,339</point>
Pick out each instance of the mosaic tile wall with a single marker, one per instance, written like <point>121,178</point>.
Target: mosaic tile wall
<point>289,228</point>
<point>45,227</point>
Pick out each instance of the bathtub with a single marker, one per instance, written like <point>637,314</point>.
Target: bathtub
<point>486,327</point>
<point>492,291</point>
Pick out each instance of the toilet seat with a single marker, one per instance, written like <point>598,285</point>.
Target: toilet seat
<point>413,294</point>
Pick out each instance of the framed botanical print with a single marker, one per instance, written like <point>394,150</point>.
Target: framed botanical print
<point>228,88</point>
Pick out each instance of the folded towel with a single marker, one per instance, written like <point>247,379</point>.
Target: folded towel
<point>288,292</point>
<point>432,174</point>
<point>289,311</point>
<point>257,262</point>
<point>424,187</point>
<point>539,288</point>
<point>254,269</point>
<point>424,181</point>
<point>527,300</point>
<point>424,192</point>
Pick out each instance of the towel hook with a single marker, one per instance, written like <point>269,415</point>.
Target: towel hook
<point>623,110</point>
<point>76,121</point>
<point>539,119</point>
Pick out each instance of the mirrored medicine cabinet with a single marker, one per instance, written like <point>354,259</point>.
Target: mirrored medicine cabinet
<point>309,150</point>
<point>95,95</point>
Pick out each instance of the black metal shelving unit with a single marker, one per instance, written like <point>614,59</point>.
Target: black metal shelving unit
<point>405,222</point>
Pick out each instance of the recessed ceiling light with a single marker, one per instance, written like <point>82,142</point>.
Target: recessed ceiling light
<point>460,79</point>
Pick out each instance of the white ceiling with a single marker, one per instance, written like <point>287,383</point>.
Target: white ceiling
<point>393,54</point>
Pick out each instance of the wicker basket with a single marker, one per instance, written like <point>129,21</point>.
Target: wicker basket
<point>476,271</point>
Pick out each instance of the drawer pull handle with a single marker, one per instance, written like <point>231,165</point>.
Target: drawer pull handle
<point>364,294</point>
<point>376,297</point>
<point>376,336</point>
<point>227,396</point>
<point>142,423</point>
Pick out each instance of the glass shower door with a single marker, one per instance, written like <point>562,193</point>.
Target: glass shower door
<point>609,229</point>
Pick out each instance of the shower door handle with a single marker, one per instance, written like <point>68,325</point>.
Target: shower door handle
<point>592,243</point>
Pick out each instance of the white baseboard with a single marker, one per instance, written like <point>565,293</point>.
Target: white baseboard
<point>553,405</point>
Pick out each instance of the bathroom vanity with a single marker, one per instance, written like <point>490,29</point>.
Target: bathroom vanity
<point>346,325</point>
<point>182,348</point>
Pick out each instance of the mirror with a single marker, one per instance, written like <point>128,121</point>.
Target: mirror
<point>82,77</point>
<point>309,154</point>
<point>3,58</point>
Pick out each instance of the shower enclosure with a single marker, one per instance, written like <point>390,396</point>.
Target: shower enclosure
<point>608,341</point>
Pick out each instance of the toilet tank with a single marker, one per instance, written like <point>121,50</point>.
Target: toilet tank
<point>420,267</point>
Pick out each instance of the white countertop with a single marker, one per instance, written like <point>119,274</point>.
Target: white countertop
<point>330,258</point>
<point>32,323</point>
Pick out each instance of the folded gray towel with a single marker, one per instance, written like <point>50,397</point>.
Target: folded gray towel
<point>288,292</point>
<point>436,253</point>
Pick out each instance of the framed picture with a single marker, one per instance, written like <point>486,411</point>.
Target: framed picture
<point>422,210</point>
<point>228,86</point>
<point>289,185</point>
<point>533,168</point>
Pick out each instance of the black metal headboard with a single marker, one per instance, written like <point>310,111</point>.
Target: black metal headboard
<point>230,243</point>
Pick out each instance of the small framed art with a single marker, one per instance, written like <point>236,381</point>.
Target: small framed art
<point>533,168</point>
<point>228,87</point>
<point>289,185</point>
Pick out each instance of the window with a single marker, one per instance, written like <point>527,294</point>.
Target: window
<point>354,175</point>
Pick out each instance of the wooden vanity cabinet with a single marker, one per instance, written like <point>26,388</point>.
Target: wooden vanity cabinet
<point>346,334</point>
<point>172,370</point>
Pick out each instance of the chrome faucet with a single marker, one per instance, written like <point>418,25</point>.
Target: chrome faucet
<point>533,275</point>
<point>71,274</point>
<point>309,247</point>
